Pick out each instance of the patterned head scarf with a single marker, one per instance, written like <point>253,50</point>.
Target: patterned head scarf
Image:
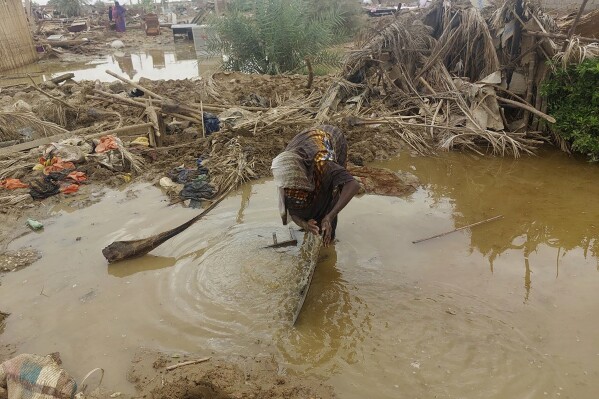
<point>289,171</point>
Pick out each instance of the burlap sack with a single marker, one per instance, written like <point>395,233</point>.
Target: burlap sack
<point>36,377</point>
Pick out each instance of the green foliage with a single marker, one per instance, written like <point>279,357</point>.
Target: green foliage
<point>69,8</point>
<point>275,36</point>
<point>147,5</point>
<point>573,99</point>
<point>353,18</point>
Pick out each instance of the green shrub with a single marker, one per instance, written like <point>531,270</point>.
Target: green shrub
<point>68,8</point>
<point>275,36</point>
<point>573,99</point>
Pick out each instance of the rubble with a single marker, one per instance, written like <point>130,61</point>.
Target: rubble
<point>438,78</point>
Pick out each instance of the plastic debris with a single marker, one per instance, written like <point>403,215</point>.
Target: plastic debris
<point>143,141</point>
<point>34,224</point>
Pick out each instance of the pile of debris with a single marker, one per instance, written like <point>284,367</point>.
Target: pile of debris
<point>448,77</point>
<point>443,77</point>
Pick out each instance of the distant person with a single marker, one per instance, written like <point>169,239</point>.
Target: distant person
<point>119,16</point>
<point>110,13</point>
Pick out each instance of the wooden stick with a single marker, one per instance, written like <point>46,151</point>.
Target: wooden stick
<point>117,98</point>
<point>136,85</point>
<point>428,86</point>
<point>458,229</point>
<point>187,363</point>
<point>560,36</point>
<point>202,116</point>
<point>35,86</point>
<point>574,24</point>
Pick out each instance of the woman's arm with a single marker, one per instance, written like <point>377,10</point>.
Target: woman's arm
<point>349,190</point>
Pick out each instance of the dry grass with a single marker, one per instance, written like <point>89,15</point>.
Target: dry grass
<point>12,124</point>
<point>230,166</point>
<point>576,53</point>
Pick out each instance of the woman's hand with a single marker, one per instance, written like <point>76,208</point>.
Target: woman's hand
<point>311,226</point>
<point>327,230</point>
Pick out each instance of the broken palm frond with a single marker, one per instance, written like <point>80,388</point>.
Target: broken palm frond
<point>576,53</point>
<point>402,39</point>
<point>16,166</point>
<point>466,46</point>
<point>230,167</point>
<point>52,112</point>
<point>417,79</point>
<point>19,125</point>
<point>134,161</point>
<point>505,12</point>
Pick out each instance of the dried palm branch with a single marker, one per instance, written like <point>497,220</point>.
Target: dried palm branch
<point>13,125</point>
<point>576,53</point>
<point>505,12</point>
<point>229,167</point>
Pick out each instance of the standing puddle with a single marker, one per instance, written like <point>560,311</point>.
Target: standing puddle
<point>505,310</point>
<point>179,63</point>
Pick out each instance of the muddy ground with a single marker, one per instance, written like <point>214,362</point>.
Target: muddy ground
<point>218,378</point>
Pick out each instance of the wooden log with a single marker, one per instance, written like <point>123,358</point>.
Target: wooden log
<point>136,85</point>
<point>59,79</point>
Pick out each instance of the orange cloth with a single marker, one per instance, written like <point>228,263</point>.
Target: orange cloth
<point>107,143</point>
<point>11,184</point>
<point>71,188</point>
<point>57,165</point>
<point>77,177</point>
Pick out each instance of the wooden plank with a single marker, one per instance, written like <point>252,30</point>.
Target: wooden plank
<point>134,129</point>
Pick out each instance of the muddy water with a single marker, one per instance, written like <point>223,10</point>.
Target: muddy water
<point>506,310</point>
<point>181,62</point>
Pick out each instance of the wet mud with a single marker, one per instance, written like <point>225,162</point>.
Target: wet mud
<point>502,310</point>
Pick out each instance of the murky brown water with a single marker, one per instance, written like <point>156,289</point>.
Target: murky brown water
<point>181,62</point>
<point>507,310</point>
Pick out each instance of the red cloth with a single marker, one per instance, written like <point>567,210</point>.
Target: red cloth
<point>11,184</point>
<point>77,176</point>
<point>107,143</point>
<point>57,165</point>
<point>71,188</point>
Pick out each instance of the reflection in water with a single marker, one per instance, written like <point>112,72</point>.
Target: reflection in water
<point>125,62</point>
<point>145,263</point>
<point>179,63</point>
<point>384,318</point>
<point>555,211</point>
<point>332,324</point>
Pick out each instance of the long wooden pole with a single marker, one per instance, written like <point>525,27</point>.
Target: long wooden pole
<point>136,85</point>
<point>574,24</point>
<point>458,229</point>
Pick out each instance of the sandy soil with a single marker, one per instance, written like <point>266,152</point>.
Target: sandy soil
<point>219,378</point>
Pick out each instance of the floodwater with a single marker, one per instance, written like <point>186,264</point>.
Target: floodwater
<point>505,310</point>
<point>181,62</point>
